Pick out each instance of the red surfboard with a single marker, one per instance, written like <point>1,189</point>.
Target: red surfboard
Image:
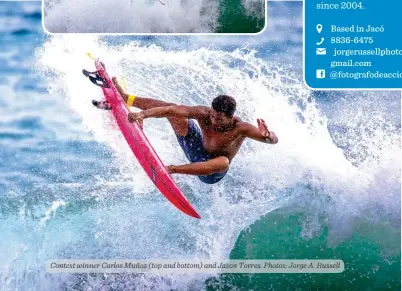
<point>139,143</point>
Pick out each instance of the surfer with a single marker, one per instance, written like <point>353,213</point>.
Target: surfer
<point>211,146</point>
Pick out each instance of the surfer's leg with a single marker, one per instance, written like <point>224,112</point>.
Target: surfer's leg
<point>216,165</point>
<point>141,102</point>
<point>179,125</point>
<point>209,169</point>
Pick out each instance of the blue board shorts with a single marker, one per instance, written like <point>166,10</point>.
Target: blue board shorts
<point>195,151</point>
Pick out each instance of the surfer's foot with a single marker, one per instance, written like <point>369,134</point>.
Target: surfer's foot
<point>101,105</point>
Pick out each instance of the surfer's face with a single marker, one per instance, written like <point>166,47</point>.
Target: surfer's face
<point>220,120</point>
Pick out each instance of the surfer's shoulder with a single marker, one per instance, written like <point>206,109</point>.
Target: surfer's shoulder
<point>237,120</point>
<point>242,126</point>
<point>239,125</point>
<point>202,111</point>
<point>205,109</point>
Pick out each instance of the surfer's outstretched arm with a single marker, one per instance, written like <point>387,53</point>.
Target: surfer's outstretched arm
<point>179,111</point>
<point>262,133</point>
<point>217,165</point>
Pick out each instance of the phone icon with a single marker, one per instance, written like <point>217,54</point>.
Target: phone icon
<point>320,42</point>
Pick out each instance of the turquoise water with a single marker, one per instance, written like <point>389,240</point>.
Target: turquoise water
<point>70,188</point>
<point>235,18</point>
<point>371,256</point>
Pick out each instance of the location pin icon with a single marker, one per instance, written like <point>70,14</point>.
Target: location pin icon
<point>319,28</point>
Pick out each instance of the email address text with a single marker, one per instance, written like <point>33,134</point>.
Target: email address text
<point>373,52</point>
<point>350,63</point>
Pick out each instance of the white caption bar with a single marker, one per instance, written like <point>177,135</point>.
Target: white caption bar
<point>195,266</point>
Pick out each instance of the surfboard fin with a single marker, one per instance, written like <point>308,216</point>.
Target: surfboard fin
<point>95,78</point>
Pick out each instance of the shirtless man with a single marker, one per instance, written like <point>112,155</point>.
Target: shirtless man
<point>211,146</point>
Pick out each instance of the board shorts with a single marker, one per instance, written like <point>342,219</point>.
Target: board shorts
<point>195,151</point>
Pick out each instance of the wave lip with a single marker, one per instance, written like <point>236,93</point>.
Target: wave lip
<point>152,16</point>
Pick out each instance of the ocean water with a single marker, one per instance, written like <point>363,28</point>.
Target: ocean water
<point>71,189</point>
<point>154,16</point>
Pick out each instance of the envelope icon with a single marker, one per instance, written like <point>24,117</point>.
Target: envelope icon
<point>321,51</point>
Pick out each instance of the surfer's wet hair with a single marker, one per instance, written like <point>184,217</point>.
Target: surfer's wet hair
<point>225,104</point>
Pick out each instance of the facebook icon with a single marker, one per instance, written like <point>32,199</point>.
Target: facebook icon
<point>320,74</point>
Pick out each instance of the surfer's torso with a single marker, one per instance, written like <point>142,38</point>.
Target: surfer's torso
<point>221,142</point>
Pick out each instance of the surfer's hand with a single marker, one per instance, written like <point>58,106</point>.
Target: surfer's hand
<point>171,169</point>
<point>136,116</point>
<point>262,127</point>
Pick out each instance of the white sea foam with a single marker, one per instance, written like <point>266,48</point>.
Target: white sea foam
<point>136,16</point>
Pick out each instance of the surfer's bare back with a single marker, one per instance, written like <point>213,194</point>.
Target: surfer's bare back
<point>211,146</point>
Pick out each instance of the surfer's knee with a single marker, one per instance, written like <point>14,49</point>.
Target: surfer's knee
<point>223,163</point>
